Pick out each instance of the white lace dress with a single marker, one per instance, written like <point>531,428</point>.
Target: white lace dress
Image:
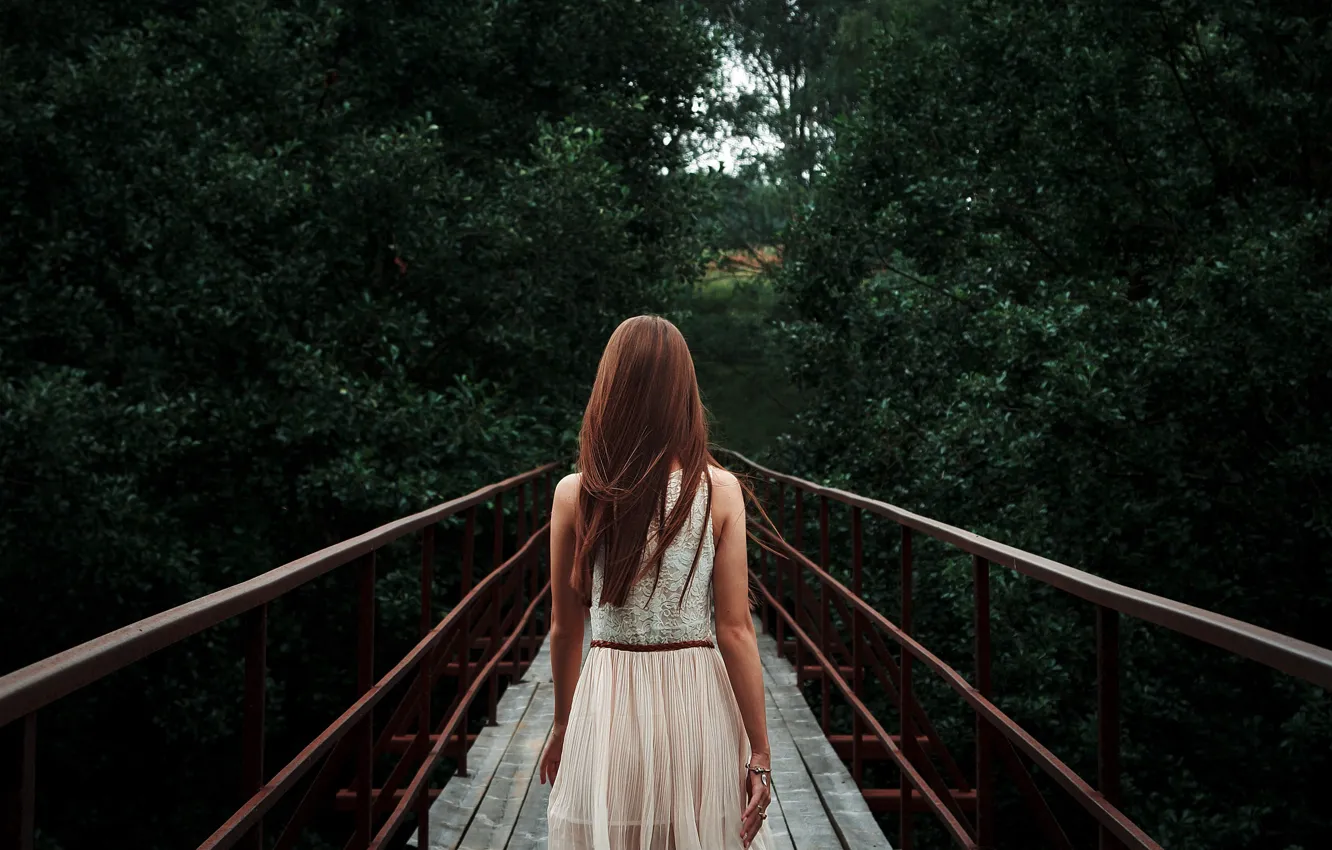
<point>655,749</point>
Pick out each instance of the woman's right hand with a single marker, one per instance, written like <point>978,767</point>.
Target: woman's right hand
<point>550,757</point>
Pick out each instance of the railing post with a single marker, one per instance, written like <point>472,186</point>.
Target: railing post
<point>1107,713</point>
<point>799,519</point>
<point>825,621</point>
<point>469,547</point>
<point>823,532</point>
<point>464,684</point>
<point>769,561</point>
<point>255,625</point>
<point>547,511</point>
<point>423,682</point>
<point>908,739</point>
<point>522,513</point>
<point>499,532</point>
<point>18,783</point>
<point>547,496</point>
<point>532,568</point>
<point>984,779</point>
<point>799,581</point>
<point>423,747</point>
<point>497,559</point>
<point>427,578</point>
<point>780,566</point>
<point>365,679</point>
<point>857,638</point>
<point>522,538</point>
<point>495,641</point>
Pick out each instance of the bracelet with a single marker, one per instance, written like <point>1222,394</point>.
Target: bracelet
<point>763,773</point>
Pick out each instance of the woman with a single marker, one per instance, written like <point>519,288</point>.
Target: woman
<point>661,743</point>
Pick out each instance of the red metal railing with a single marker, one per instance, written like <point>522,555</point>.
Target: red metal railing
<point>787,607</point>
<point>495,620</point>
<point>494,630</point>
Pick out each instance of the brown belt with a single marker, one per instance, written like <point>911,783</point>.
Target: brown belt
<point>650,647</point>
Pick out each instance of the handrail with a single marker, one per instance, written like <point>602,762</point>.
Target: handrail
<point>253,810</point>
<point>953,826</point>
<point>43,682</point>
<point>25,692</point>
<point>417,786</point>
<point>1281,652</point>
<point>1095,803</point>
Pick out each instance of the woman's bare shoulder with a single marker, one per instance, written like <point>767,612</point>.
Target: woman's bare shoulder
<point>566,491</point>
<point>723,478</point>
<point>727,496</point>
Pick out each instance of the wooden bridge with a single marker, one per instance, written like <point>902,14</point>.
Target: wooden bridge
<point>483,666</point>
<point>501,803</point>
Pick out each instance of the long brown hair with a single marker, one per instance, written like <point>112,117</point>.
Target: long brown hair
<point>644,414</point>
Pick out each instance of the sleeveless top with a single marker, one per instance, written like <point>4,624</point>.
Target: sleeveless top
<point>650,618</point>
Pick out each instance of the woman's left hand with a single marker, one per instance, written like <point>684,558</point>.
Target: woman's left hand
<point>758,793</point>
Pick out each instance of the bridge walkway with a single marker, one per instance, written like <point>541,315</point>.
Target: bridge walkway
<point>501,803</point>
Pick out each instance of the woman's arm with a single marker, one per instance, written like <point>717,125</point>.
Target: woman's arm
<point>736,639</point>
<point>566,628</point>
<point>735,623</point>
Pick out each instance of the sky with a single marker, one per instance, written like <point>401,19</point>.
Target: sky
<point>728,151</point>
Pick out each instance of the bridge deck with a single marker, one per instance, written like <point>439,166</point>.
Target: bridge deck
<point>502,804</point>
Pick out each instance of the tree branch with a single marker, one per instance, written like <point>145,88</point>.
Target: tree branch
<point>885,266</point>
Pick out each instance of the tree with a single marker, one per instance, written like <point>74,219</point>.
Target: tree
<point>804,61</point>
<point>804,58</point>
<point>1067,284</point>
<point>275,273</point>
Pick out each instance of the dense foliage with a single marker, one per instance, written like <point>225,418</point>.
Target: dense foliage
<point>272,274</point>
<point>1067,284</point>
<point>745,212</point>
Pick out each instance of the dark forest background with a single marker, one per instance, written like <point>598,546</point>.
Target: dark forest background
<point>274,272</point>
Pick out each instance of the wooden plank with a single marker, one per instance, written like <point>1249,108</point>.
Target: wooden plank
<point>779,740</point>
<point>452,811</point>
<point>840,797</point>
<point>529,833</point>
<point>498,813</point>
<point>806,823</point>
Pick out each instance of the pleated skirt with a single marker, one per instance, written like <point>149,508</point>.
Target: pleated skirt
<point>654,756</point>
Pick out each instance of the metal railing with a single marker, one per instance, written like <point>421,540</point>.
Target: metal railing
<point>785,595</point>
<point>495,629</point>
<point>496,616</point>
